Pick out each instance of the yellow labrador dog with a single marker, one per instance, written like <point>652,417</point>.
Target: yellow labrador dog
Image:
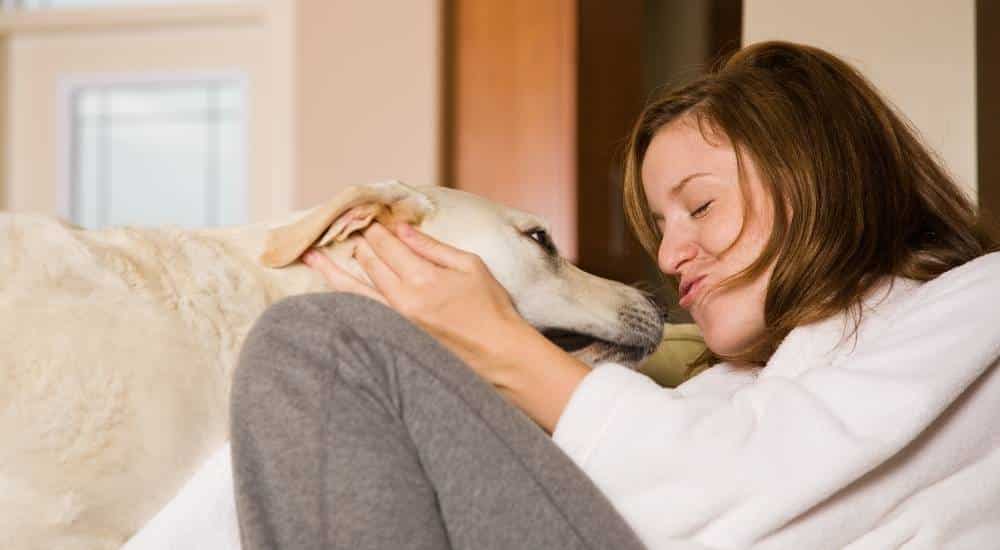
<point>117,346</point>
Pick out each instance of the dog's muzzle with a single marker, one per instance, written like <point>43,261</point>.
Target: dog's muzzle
<point>638,334</point>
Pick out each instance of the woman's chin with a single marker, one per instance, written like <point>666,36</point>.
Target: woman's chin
<point>730,344</point>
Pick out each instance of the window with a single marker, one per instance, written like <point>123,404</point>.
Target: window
<point>157,153</point>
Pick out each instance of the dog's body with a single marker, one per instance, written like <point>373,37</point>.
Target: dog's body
<point>118,345</point>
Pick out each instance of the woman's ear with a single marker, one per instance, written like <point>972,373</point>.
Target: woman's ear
<point>353,209</point>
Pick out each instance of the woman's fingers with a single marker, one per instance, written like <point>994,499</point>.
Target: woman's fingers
<point>385,279</point>
<point>435,250</point>
<point>399,257</point>
<point>339,279</point>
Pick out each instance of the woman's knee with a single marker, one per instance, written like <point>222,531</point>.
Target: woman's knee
<point>312,341</point>
<point>318,309</point>
<point>287,329</point>
<point>319,330</point>
<point>331,310</point>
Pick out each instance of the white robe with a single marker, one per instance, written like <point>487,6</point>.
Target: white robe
<point>831,445</point>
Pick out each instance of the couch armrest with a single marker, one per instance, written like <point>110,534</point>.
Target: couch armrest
<point>681,344</point>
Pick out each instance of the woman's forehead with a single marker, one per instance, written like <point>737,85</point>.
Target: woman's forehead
<point>679,149</point>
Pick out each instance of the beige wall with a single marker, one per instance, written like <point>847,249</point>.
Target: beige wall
<point>369,94</point>
<point>919,53</point>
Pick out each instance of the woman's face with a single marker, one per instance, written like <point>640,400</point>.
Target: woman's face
<point>693,190</point>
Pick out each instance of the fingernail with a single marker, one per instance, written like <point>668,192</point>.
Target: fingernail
<point>406,230</point>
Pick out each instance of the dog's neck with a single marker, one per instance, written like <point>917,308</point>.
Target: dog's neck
<point>248,242</point>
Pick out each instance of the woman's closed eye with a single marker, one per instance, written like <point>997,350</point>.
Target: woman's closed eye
<point>701,210</point>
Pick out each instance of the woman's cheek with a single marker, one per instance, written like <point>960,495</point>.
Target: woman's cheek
<point>722,228</point>
<point>720,331</point>
<point>732,320</point>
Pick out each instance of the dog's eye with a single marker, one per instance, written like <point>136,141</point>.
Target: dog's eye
<point>541,237</point>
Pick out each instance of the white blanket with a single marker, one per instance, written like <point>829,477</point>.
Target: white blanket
<point>201,516</point>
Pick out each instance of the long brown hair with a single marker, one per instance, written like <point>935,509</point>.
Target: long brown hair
<point>867,198</point>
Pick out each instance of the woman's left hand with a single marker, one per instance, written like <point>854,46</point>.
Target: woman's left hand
<point>448,292</point>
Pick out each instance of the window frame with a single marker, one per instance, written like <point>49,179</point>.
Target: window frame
<point>69,84</point>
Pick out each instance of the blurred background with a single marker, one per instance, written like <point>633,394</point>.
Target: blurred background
<point>202,112</point>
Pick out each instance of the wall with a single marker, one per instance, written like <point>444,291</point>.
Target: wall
<point>368,94</point>
<point>919,53</point>
<point>988,107</point>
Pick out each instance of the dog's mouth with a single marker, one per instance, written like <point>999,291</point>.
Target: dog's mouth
<point>592,349</point>
<point>568,340</point>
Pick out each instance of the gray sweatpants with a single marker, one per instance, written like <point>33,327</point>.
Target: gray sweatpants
<point>352,428</point>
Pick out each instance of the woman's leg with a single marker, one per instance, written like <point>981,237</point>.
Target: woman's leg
<point>353,428</point>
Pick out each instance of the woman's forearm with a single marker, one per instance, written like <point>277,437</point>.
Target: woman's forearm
<point>539,378</point>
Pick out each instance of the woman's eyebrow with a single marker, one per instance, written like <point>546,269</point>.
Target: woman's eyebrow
<point>680,185</point>
<point>677,189</point>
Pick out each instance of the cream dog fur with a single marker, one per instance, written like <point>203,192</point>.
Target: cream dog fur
<point>117,346</point>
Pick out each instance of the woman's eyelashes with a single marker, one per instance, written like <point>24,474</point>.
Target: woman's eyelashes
<point>701,210</point>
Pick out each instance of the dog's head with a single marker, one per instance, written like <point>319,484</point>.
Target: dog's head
<point>593,318</point>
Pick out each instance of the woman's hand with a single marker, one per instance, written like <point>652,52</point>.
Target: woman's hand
<point>448,292</point>
<point>454,297</point>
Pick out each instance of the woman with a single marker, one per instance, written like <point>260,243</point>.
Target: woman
<point>843,289</point>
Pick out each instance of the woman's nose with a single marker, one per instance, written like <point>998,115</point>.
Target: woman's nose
<point>674,253</point>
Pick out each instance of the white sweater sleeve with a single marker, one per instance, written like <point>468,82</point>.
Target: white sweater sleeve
<point>728,460</point>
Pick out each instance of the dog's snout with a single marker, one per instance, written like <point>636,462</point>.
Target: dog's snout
<point>644,320</point>
<point>661,310</point>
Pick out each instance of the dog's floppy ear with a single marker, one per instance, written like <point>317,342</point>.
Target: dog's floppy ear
<point>353,209</point>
